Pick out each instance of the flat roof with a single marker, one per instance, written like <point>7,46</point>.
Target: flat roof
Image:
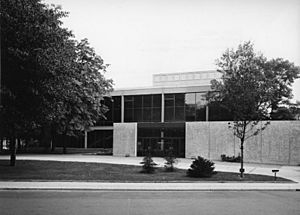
<point>159,90</point>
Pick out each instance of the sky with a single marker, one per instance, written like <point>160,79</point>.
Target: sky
<point>139,38</point>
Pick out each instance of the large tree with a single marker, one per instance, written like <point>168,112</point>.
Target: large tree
<point>49,80</point>
<point>250,88</point>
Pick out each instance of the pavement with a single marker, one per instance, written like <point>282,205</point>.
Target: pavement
<point>289,172</point>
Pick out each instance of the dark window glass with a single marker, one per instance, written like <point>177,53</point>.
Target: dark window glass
<point>169,96</point>
<point>147,114</point>
<point>128,101</point>
<point>179,113</point>
<point>179,99</point>
<point>138,101</point>
<point>156,114</point>
<point>128,115</point>
<point>156,100</point>
<point>147,101</point>
<point>201,113</point>
<point>100,139</point>
<point>117,115</point>
<point>116,101</point>
<point>190,112</point>
<point>138,116</point>
<point>169,114</point>
<point>108,115</point>
<point>169,100</point>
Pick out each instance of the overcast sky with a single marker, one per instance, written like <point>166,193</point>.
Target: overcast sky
<point>143,37</point>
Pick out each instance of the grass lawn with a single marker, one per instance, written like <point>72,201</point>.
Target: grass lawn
<point>77,171</point>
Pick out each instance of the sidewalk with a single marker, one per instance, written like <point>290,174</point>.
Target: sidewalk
<point>289,172</point>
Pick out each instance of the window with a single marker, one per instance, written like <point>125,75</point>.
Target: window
<point>174,107</point>
<point>142,108</point>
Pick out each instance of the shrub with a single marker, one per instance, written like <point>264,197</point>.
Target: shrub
<point>201,167</point>
<point>230,159</point>
<point>170,161</point>
<point>148,164</point>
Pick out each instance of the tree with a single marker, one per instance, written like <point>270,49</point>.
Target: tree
<point>49,80</point>
<point>288,111</point>
<point>250,87</point>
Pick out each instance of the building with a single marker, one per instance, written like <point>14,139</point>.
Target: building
<point>173,115</point>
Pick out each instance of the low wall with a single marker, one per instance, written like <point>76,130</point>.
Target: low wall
<point>125,139</point>
<point>279,143</point>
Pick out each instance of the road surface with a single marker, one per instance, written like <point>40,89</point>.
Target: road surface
<point>150,202</point>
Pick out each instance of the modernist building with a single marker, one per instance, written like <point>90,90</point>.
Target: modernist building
<point>174,115</point>
<point>154,118</point>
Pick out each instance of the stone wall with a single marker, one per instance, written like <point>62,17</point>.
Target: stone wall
<point>125,139</point>
<point>279,143</point>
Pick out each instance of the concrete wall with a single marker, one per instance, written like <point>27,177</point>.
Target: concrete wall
<point>278,144</point>
<point>125,139</point>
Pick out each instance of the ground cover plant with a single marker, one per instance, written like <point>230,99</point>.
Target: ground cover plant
<point>78,171</point>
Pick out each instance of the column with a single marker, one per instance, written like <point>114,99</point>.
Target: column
<point>162,107</point>
<point>206,113</point>
<point>85,139</point>
<point>122,108</point>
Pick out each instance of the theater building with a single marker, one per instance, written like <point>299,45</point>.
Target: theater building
<point>173,115</point>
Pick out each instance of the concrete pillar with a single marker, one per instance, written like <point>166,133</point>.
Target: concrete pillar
<point>162,107</point>
<point>122,108</point>
<point>85,139</point>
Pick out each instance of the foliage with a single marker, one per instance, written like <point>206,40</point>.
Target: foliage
<point>50,82</point>
<point>230,158</point>
<point>170,161</point>
<point>201,167</point>
<point>290,111</point>
<point>148,164</point>
<point>250,88</point>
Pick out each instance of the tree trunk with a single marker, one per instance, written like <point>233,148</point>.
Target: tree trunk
<point>65,144</point>
<point>13,151</point>
<point>53,140</point>
<point>242,170</point>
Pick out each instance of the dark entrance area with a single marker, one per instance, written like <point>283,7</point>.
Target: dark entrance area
<point>100,139</point>
<point>160,138</point>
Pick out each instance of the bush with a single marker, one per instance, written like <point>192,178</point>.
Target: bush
<point>230,159</point>
<point>170,161</point>
<point>201,167</point>
<point>148,164</point>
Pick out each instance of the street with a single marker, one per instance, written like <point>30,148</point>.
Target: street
<point>149,202</point>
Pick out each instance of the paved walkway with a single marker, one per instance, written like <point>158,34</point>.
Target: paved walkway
<point>289,172</point>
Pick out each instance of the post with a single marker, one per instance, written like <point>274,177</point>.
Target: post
<point>206,113</point>
<point>122,108</point>
<point>162,107</point>
<point>85,139</point>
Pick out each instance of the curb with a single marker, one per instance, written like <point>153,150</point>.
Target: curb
<point>142,190</point>
<point>96,186</point>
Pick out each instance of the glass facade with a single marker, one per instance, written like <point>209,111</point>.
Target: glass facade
<point>178,107</point>
<point>100,139</point>
<point>142,108</point>
<point>185,107</point>
<point>113,114</point>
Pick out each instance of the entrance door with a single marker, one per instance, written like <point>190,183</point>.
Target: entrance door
<point>160,138</point>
